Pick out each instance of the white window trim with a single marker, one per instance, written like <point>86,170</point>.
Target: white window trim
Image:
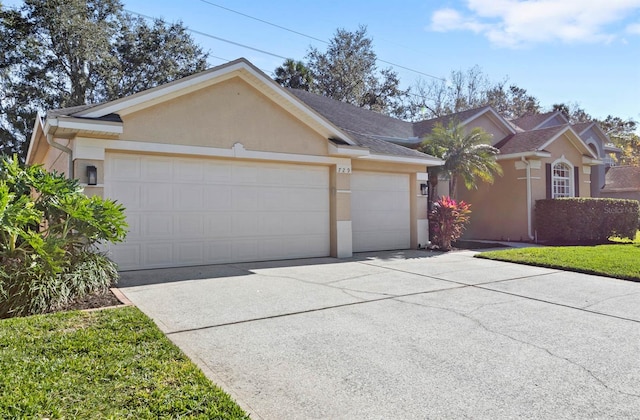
<point>572,192</point>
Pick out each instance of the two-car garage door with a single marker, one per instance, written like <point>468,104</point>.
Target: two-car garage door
<point>189,211</point>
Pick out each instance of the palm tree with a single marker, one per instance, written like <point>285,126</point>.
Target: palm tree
<point>467,155</point>
<point>293,74</point>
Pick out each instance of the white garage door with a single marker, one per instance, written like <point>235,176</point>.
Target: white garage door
<point>380,216</point>
<point>188,211</point>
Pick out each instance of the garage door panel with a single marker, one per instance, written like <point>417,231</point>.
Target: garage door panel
<point>156,196</point>
<point>156,168</point>
<point>188,171</point>
<point>157,225</point>
<point>127,254</point>
<point>125,167</point>
<point>218,225</point>
<point>245,198</point>
<point>218,173</point>
<point>191,253</point>
<point>130,194</point>
<point>380,211</point>
<point>217,211</point>
<point>217,197</point>
<point>190,225</point>
<point>188,197</point>
<point>157,254</point>
<point>245,174</point>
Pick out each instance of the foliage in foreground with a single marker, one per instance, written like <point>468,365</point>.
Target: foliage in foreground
<point>49,231</point>
<point>106,364</point>
<point>448,219</point>
<point>618,261</point>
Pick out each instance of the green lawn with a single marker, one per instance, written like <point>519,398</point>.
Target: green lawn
<point>619,260</point>
<point>106,364</point>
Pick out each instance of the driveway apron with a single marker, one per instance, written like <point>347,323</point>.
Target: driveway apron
<point>407,334</point>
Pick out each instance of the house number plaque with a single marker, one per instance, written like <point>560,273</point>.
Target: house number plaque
<point>343,169</point>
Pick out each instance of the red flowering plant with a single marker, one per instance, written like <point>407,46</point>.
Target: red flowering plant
<point>449,218</point>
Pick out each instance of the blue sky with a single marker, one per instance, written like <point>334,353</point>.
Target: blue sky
<point>583,51</point>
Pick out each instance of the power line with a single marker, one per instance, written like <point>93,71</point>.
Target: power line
<point>213,37</point>
<point>265,22</point>
<point>313,38</point>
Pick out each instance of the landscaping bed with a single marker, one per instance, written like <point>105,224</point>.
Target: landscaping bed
<point>113,363</point>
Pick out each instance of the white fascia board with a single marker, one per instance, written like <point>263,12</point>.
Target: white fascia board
<point>90,148</point>
<point>537,154</point>
<point>354,151</point>
<point>577,137</point>
<point>82,124</point>
<point>405,159</point>
<point>586,160</point>
<point>37,128</point>
<point>157,92</point>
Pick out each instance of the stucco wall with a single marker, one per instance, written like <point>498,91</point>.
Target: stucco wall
<point>487,124</point>
<point>55,159</point>
<point>498,211</point>
<point>220,116</point>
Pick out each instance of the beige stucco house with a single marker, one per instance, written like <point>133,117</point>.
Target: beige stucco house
<point>227,166</point>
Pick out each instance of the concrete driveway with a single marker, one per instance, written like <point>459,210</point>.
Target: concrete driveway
<point>403,335</point>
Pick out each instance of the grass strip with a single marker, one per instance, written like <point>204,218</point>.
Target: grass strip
<point>618,261</point>
<point>101,365</point>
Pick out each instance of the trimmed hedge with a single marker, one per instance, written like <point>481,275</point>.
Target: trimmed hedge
<point>586,220</point>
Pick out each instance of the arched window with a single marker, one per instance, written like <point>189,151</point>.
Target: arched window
<point>562,180</point>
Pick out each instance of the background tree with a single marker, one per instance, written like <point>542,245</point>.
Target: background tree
<point>512,102</point>
<point>62,53</point>
<point>623,134</point>
<point>462,90</point>
<point>573,112</point>
<point>293,74</point>
<point>347,72</point>
<point>468,89</point>
<point>466,155</point>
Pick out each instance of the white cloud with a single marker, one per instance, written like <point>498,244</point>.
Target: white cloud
<point>516,23</point>
<point>634,29</point>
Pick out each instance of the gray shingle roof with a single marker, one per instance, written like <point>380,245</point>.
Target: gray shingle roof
<point>367,128</point>
<point>531,121</point>
<point>422,128</point>
<point>528,141</point>
<point>622,178</point>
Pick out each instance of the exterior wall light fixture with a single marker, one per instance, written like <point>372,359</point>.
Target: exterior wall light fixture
<point>92,175</point>
<point>423,189</point>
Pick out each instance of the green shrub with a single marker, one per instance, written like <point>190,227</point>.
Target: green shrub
<point>449,218</point>
<point>585,220</point>
<point>49,234</point>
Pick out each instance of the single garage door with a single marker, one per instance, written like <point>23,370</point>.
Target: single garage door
<point>189,211</point>
<point>380,216</point>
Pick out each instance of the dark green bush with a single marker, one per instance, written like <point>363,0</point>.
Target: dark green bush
<point>585,220</point>
<point>49,237</point>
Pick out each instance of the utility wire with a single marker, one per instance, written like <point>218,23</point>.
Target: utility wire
<point>265,22</point>
<point>213,36</point>
<point>313,38</point>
